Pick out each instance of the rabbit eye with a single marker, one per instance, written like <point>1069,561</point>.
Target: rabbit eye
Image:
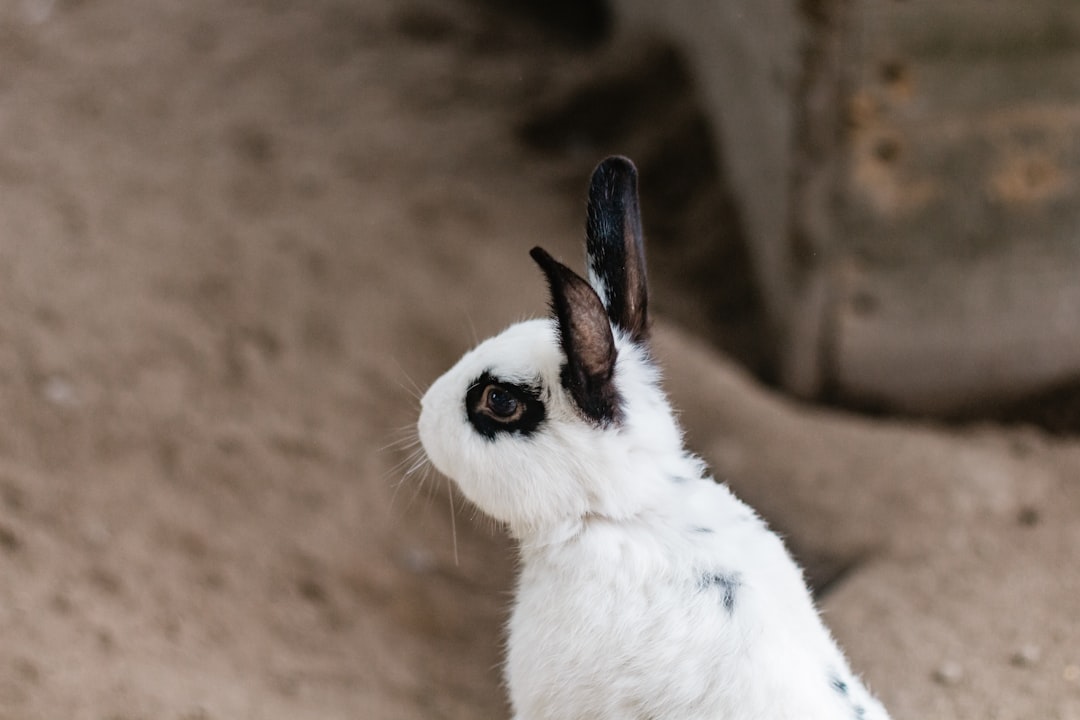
<point>494,406</point>
<point>501,404</point>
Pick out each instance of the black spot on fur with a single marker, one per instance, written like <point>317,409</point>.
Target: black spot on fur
<point>532,410</point>
<point>841,688</point>
<point>728,583</point>
<point>679,479</point>
<point>701,529</point>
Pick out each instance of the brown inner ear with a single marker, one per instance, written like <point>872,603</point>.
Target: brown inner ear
<point>616,246</point>
<point>635,316</point>
<point>586,339</point>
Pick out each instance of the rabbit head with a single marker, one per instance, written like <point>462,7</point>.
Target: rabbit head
<point>560,419</point>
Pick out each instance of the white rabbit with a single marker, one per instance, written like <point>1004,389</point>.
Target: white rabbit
<point>647,590</point>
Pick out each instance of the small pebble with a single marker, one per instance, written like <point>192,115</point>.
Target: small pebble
<point>1026,656</point>
<point>59,391</point>
<point>419,560</point>
<point>38,11</point>
<point>948,673</point>
<point>1028,516</point>
<point>9,540</point>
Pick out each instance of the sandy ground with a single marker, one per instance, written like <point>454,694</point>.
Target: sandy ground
<point>237,237</point>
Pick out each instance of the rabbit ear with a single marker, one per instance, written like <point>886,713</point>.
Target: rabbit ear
<point>615,246</point>
<point>586,339</point>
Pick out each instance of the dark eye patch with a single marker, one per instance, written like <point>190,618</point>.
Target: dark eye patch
<point>494,406</point>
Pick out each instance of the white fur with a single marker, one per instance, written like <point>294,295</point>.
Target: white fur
<point>613,619</point>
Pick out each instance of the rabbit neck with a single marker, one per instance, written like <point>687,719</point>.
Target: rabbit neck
<point>635,487</point>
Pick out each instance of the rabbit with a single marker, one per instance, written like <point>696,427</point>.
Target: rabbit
<point>647,590</point>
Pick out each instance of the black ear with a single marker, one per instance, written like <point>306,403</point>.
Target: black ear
<point>585,334</point>
<point>615,246</point>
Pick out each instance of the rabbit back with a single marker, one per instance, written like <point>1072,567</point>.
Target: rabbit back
<point>696,612</point>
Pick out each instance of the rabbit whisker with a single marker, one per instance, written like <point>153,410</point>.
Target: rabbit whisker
<point>403,443</point>
<point>414,460</point>
<point>453,519</point>
<point>472,327</point>
<point>407,461</point>
<point>415,390</point>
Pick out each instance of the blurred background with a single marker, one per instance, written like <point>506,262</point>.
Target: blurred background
<point>238,239</point>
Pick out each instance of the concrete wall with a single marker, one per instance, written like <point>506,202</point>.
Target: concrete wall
<point>907,176</point>
<point>745,55</point>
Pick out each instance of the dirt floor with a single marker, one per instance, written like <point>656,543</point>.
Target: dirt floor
<point>237,238</point>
